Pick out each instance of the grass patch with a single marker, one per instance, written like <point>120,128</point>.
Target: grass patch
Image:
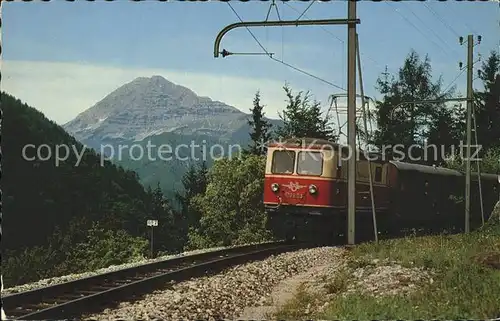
<point>466,281</point>
<point>339,282</point>
<point>298,307</point>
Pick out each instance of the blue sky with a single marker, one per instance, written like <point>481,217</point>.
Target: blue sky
<point>63,57</point>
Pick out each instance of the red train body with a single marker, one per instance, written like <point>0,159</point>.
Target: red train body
<point>305,188</point>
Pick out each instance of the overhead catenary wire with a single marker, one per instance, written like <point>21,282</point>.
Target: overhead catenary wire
<point>324,29</point>
<point>340,40</point>
<point>416,28</point>
<point>462,70</point>
<point>282,62</point>
<point>453,81</point>
<point>441,19</point>
<point>303,13</point>
<point>465,22</point>
<point>328,32</point>
<point>431,30</point>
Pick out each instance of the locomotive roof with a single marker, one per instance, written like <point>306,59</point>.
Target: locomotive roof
<point>310,142</point>
<point>402,166</point>
<point>305,140</point>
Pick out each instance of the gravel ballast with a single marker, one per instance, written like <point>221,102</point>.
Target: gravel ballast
<point>224,295</point>
<point>112,268</point>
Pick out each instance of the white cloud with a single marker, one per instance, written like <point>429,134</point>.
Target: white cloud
<point>62,90</point>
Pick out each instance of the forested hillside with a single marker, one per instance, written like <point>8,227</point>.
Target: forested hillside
<point>50,208</point>
<point>167,169</point>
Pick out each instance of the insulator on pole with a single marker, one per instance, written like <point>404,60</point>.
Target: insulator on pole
<point>225,53</point>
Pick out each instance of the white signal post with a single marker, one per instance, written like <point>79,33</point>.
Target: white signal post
<point>152,223</point>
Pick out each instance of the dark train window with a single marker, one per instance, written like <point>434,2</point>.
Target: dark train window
<point>378,174</point>
<point>310,163</point>
<point>283,162</point>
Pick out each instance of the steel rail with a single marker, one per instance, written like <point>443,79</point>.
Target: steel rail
<point>93,294</point>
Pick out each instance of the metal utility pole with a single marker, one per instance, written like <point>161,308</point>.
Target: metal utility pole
<point>470,62</point>
<point>295,23</point>
<point>351,21</point>
<point>351,122</point>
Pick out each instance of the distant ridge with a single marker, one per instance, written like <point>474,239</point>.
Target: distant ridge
<point>150,106</point>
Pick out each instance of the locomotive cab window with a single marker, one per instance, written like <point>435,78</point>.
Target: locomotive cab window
<point>310,163</point>
<point>283,162</point>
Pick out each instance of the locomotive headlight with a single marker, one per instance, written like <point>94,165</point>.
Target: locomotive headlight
<point>275,187</point>
<point>313,189</point>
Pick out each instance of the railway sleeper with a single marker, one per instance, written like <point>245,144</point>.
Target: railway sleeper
<point>100,288</point>
<point>52,301</point>
<point>123,282</point>
<point>129,279</point>
<point>65,297</point>
<point>71,296</point>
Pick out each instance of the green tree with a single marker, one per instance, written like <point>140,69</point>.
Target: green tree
<point>259,128</point>
<point>74,250</point>
<point>489,163</point>
<point>302,118</point>
<point>103,247</point>
<point>55,204</point>
<point>232,208</point>
<point>488,105</point>
<point>446,129</point>
<point>194,183</point>
<point>169,236</point>
<point>414,124</point>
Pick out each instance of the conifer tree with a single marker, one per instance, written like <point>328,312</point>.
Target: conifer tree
<point>194,183</point>
<point>303,118</point>
<point>260,127</point>
<point>416,124</point>
<point>488,105</point>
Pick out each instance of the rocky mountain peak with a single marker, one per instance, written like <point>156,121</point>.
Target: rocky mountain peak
<point>149,106</point>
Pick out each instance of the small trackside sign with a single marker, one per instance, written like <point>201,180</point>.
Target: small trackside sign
<point>152,222</point>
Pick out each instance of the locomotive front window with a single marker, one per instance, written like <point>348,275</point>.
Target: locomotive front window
<point>283,162</point>
<point>310,163</point>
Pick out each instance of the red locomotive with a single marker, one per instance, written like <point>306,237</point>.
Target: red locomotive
<point>305,193</point>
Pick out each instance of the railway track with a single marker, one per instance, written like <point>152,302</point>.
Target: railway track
<point>92,294</point>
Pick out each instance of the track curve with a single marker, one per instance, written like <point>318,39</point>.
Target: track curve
<point>92,294</point>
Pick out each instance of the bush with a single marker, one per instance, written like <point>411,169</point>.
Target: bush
<point>27,265</point>
<point>103,248</point>
<point>232,207</point>
<point>489,163</point>
<point>99,248</point>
